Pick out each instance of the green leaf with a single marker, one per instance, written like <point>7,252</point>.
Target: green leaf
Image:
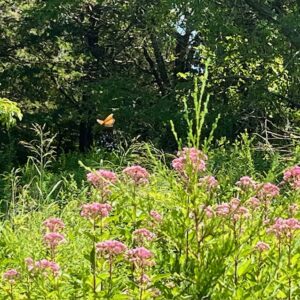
<point>244,267</point>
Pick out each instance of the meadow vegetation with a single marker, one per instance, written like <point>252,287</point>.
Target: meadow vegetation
<point>138,223</point>
<point>190,190</point>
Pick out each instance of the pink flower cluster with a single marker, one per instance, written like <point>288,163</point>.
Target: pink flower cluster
<point>246,182</point>
<point>262,246</point>
<point>137,174</point>
<point>208,182</point>
<point>189,157</point>
<point>253,202</point>
<point>144,234</point>
<point>208,210</point>
<point>11,275</point>
<point>111,247</point>
<point>54,224</point>
<point>223,209</point>
<point>156,216</point>
<point>95,210</point>
<point>144,279</point>
<point>53,239</point>
<point>284,227</point>
<point>233,209</point>
<point>292,175</point>
<point>101,178</point>
<point>268,191</point>
<point>141,257</point>
<point>44,266</point>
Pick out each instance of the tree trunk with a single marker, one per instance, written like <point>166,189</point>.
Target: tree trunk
<point>85,136</point>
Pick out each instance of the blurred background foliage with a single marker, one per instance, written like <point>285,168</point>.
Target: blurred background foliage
<point>66,63</point>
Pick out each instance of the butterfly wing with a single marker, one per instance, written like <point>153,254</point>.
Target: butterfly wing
<point>109,121</point>
<point>108,118</point>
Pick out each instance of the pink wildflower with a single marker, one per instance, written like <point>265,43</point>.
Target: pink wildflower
<point>11,275</point>
<point>156,216</point>
<point>189,157</point>
<point>262,246</point>
<point>45,266</point>
<point>111,247</point>
<point>234,203</point>
<point>209,182</point>
<point>102,178</point>
<point>144,279</point>
<point>95,210</point>
<point>137,174</point>
<point>241,212</point>
<point>223,209</point>
<point>193,153</point>
<point>53,239</point>
<point>179,164</point>
<point>292,175</point>
<point>30,263</point>
<point>284,227</point>
<point>246,182</point>
<point>253,202</point>
<point>233,209</point>
<point>54,224</point>
<point>144,233</point>
<point>268,190</point>
<point>208,210</point>
<point>293,172</point>
<point>140,256</point>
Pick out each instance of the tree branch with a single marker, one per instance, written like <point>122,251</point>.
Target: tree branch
<point>160,61</point>
<point>266,12</point>
<point>153,70</point>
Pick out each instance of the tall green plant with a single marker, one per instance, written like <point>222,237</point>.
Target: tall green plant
<point>42,156</point>
<point>195,115</point>
<point>12,179</point>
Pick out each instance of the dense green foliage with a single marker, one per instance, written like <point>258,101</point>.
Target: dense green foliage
<point>89,211</point>
<point>9,111</point>
<point>67,63</point>
<point>200,251</point>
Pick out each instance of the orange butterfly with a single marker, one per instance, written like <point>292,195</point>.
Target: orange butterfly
<point>108,121</point>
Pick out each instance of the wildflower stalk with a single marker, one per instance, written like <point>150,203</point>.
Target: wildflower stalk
<point>187,231</point>
<point>101,232</point>
<point>289,256</point>
<point>11,295</point>
<point>94,257</point>
<point>134,207</point>
<point>110,274</point>
<point>57,288</point>
<point>28,286</point>
<point>236,257</point>
<point>197,234</point>
<point>141,284</point>
<point>279,254</point>
<point>258,274</point>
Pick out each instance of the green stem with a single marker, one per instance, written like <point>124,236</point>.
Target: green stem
<point>187,232</point>
<point>236,257</point>
<point>94,258</point>
<point>289,268</point>
<point>110,274</point>
<point>134,207</point>
<point>11,292</point>
<point>141,284</point>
